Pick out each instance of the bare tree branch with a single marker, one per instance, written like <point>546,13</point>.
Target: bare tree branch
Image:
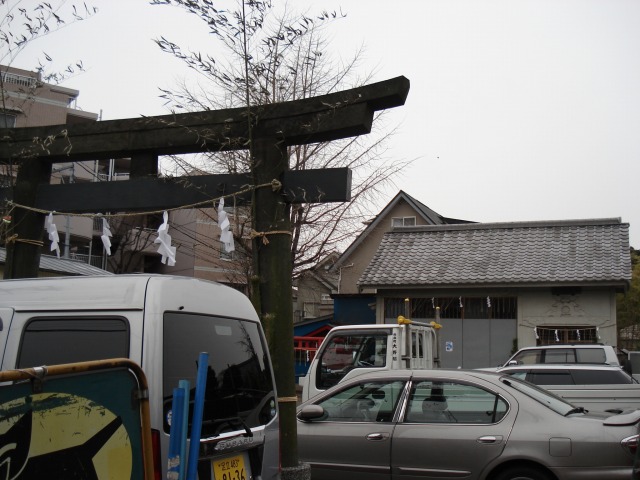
<point>283,57</point>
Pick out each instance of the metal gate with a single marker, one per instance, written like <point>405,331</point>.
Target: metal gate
<point>476,343</point>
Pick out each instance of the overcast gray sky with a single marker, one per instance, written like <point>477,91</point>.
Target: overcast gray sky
<point>518,110</point>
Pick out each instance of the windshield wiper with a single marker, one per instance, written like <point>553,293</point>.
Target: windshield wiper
<point>231,422</point>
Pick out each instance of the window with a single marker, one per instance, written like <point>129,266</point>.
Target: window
<point>550,377</point>
<point>403,222</point>
<point>591,355</point>
<point>346,351</point>
<point>526,357</point>
<point>50,341</point>
<point>560,355</point>
<point>7,120</point>
<point>449,402</point>
<point>326,298</point>
<point>239,390</point>
<point>601,377</point>
<point>308,309</point>
<point>574,377</point>
<point>522,375</point>
<point>224,255</point>
<point>417,350</point>
<point>595,355</point>
<point>549,400</point>
<point>6,180</point>
<point>364,402</point>
<point>453,307</point>
<point>551,335</point>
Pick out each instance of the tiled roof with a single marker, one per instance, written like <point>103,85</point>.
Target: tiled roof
<point>570,252</point>
<point>431,217</point>
<point>62,266</point>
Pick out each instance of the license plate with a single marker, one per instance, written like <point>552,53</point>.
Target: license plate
<point>230,468</point>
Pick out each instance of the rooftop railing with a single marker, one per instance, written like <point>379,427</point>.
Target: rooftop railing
<point>22,80</point>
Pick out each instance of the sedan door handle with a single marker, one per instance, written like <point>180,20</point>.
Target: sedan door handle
<point>488,439</point>
<point>377,437</point>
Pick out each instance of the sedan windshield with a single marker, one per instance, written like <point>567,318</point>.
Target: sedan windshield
<point>548,399</point>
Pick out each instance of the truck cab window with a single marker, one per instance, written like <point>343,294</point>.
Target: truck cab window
<point>345,352</point>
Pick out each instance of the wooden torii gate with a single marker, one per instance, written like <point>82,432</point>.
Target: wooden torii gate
<point>274,127</point>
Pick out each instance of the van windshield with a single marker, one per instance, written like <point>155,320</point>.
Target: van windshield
<point>239,392</point>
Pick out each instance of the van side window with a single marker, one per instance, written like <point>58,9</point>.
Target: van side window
<point>51,341</point>
<point>560,355</point>
<point>527,357</point>
<point>591,355</point>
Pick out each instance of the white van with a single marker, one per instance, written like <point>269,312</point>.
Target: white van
<point>162,323</point>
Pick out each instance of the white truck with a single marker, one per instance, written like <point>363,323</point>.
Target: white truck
<point>351,350</point>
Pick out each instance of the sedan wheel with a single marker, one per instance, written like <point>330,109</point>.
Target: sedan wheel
<point>523,473</point>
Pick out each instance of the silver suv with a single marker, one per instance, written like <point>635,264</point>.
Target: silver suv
<point>564,354</point>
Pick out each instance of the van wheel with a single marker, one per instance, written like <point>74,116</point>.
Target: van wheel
<point>523,473</point>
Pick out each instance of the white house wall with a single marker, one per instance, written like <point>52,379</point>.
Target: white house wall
<point>591,307</point>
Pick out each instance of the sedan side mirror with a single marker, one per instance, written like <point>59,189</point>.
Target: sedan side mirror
<point>311,412</point>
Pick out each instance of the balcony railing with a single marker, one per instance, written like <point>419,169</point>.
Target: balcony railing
<point>93,260</point>
<point>104,177</point>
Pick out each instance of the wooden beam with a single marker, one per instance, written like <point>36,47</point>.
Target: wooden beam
<point>144,164</point>
<point>150,194</point>
<point>327,117</point>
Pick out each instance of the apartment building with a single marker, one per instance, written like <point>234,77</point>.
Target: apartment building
<point>27,101</point>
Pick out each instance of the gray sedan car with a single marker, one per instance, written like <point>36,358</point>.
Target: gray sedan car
<point>444,424</point>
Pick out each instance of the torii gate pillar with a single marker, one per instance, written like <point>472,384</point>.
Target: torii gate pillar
<point>272,282</point>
